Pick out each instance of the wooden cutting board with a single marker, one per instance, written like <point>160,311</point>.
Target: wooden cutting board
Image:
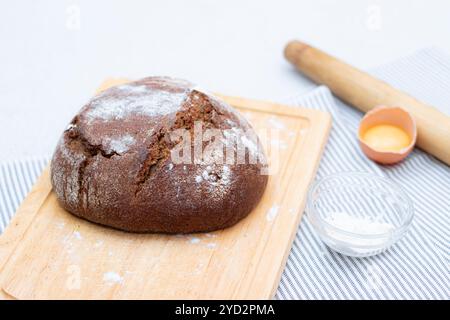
<point>46,253</point>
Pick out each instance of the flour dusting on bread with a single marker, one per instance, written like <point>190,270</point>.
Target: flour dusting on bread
<point>134,100</point>
<point>119,144</point>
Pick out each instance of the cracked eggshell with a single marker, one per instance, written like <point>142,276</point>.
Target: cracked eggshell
<point>395,116</point>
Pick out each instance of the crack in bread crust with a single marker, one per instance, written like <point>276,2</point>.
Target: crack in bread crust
<point>197,107</point>
<point>77,141</point>
<point>75,136</point>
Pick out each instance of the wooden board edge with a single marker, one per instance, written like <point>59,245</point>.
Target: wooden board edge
<point>271,107</point>
<point>5,296</point>
<point>324,123</point>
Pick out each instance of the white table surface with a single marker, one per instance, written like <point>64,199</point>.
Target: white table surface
<point>53,54</point>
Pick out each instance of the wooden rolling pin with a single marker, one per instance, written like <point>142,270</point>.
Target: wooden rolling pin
<point>365,92</point>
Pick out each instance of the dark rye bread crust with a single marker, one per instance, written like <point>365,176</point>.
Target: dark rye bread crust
<point>113,163</point>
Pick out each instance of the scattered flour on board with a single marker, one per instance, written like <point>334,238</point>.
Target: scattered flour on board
<point>303,131</point>
<point>60,225</point>
<point>98,244</point>
<point>198,269</point>
<point>275,123</point>
<point>272,213</point>
<point>68,244</point>
<point>111,278</point>
<point>194,240</point>
<point>279,143</point>
<point>118,102</point>
<point>77,235</point>
<point>211,245</point>
<point>211,235</point>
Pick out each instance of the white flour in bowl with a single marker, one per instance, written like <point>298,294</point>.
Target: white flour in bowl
<point>361,226</point>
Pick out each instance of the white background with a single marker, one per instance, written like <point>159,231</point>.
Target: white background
<point>54,54</point>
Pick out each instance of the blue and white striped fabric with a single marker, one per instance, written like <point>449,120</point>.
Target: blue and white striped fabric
<point>414,268</point>
<point>16,180</point>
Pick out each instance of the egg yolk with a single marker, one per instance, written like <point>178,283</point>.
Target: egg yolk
<point>385,137</point>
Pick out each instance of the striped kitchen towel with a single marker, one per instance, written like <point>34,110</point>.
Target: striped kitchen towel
<point>414,268</point>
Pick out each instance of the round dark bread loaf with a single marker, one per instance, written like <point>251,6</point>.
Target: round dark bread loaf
<point>114,164</point>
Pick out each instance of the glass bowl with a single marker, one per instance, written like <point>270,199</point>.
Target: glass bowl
<point>358,214</point>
